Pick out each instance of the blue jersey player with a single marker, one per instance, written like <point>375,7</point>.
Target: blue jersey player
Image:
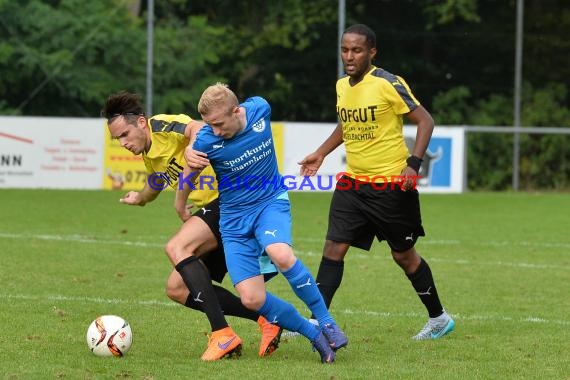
<point>255,213</point>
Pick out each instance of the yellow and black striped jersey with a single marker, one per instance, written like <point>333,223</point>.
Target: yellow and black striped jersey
<point>166,155</point>
<point>371,113</point>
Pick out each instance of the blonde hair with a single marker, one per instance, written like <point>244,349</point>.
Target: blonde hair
<point>216,96</point>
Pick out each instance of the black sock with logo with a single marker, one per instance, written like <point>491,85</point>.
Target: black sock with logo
<point>423,283</point>
<point>198,281</point>
<point>329,278</point>
<point>231,304</point>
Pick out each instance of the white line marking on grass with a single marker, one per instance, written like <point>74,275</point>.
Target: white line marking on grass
<point>79,239</point>
<point>388,257</point>
<point>525,244</point>
<point>86,239</point>
<point>500,263</point>
<point>354,255</point>
<point>109,301</point>
<point>484,318</point>
<point>370,313</point>
<point>425,241</point>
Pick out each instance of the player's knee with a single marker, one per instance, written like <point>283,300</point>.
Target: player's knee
<point>173,250</point>
<point>281,255</point>
<point>407,260</point>
<point>335,250</point>
<point>284,262</point>
<point>252,301</point>
<point>170,249</point>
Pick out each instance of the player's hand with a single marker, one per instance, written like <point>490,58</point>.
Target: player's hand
<point>409,179</point>
<point>189,208</point>
<point>196,160</point>
<point>311,164</point>
<point>131,198</point>
<point>184,211</point>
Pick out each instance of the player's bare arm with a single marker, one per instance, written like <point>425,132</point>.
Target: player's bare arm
<point>140,198</point>
<point>312,162</point>
<point>195,159</point>
<point>424,122</point>
<point>182,193</point>
<point>425,125</point>
<point>192,129</point>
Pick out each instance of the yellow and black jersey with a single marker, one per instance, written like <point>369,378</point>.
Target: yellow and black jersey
<point>371,113</point>
<point>166,155</point>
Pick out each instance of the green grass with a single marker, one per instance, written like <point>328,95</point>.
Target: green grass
<point>501,263</point>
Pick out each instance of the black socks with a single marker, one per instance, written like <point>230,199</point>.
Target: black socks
<point>199,283</point>
<point>229,302</point>
<point>329,278</point>
<point>423,283</point>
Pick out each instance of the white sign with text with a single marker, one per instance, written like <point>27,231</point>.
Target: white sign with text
<point>57,153</point>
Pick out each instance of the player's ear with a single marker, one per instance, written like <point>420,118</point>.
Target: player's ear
<point>141,122</point>
<point>373,52</point>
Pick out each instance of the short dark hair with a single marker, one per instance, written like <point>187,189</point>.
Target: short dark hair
<point>365,31</point>
<point>124,104</point>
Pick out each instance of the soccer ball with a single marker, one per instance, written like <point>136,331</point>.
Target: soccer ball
<point>109,335</point>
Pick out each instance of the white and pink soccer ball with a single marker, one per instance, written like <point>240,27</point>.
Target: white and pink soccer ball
<point>109,335</point>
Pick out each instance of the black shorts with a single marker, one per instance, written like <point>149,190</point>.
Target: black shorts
<point>215,260</point>
<point>383,210</point>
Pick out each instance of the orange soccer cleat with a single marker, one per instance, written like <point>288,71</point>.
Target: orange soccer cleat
<point>270,336</point>
<point>222,343</point>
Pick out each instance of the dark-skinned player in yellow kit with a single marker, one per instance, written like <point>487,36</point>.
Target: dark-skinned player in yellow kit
<point>371,103</point>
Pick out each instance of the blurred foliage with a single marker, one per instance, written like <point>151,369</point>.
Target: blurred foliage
<point>64,57</point>
<point>281,50</point>
<point>544,158</point>
<point>181,71</point>
<point>445,12</point>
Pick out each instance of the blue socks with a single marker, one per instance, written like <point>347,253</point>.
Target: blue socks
<point>282,313</point>
<point>305,287</point>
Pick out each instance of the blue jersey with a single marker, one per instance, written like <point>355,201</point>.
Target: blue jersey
<point>245,165</point>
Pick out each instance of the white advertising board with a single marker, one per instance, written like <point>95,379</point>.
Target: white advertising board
<point>70,153</point>
<point>58,153</point>
<point>442,170</point>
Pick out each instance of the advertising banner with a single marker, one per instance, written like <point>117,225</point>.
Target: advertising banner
<point>59,153</point>
<point>442,169</point>
<point>76,153</point>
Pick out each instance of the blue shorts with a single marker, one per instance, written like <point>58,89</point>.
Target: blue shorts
<point>245,236</point>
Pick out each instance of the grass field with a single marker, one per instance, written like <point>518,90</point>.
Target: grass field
<point>501,263</point>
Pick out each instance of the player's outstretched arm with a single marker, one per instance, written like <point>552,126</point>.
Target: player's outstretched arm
<point>140,198</point>
<point>311,163</point>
